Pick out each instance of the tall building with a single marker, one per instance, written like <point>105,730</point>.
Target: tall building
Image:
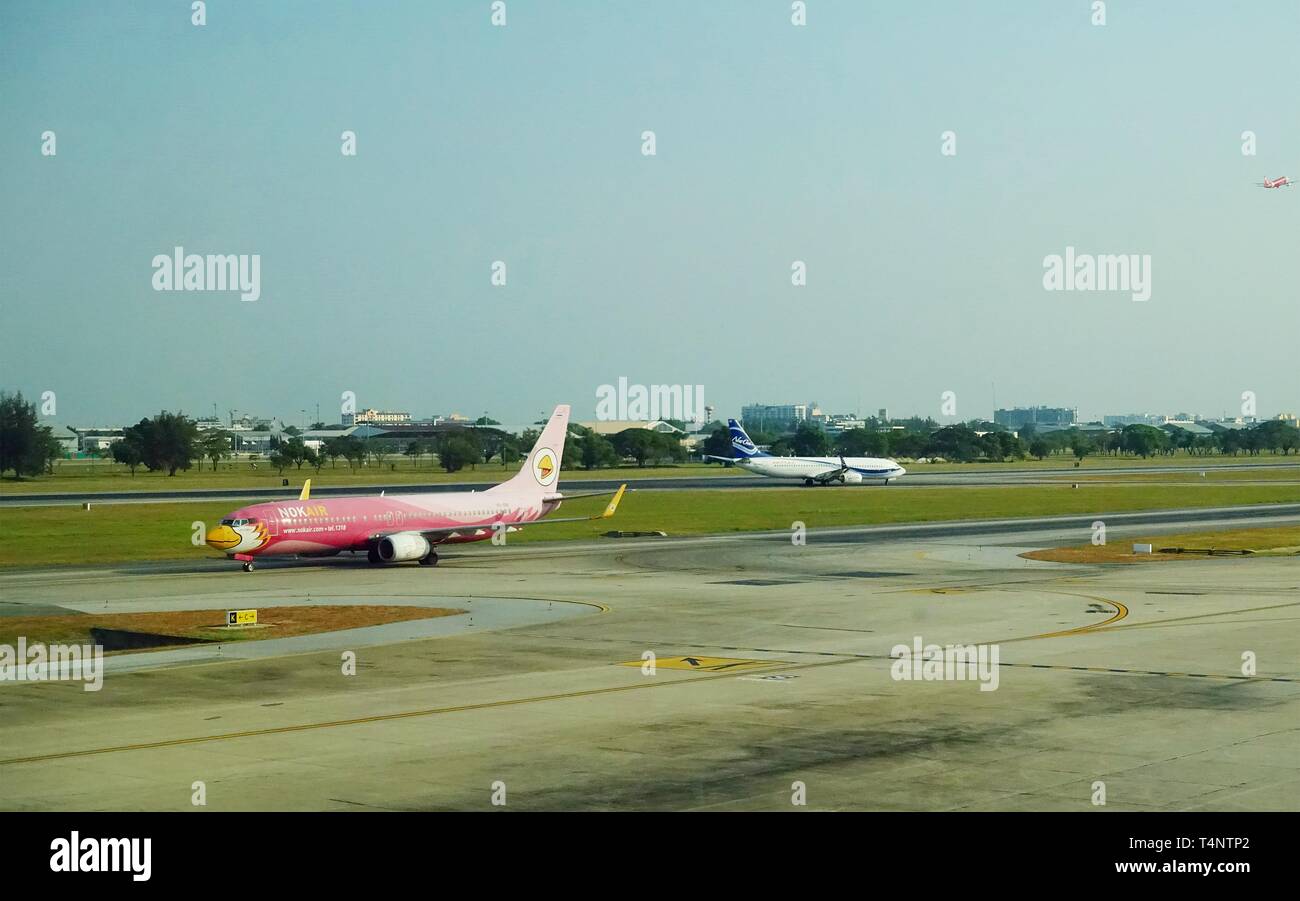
<point>764,416</point>
<point>1019,417</point>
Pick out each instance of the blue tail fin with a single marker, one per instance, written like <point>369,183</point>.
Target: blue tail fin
<point>740,442</point>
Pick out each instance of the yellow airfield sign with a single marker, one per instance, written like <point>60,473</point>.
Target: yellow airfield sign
<point>241,617</point>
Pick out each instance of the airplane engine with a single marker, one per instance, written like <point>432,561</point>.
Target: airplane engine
<point>852,478</point>
<point>396,548</point>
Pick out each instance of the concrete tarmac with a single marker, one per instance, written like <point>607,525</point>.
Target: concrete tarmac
<point>772,669</point>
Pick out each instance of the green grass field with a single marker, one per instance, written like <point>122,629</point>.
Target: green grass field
<point>117,533</point>
<point>76,477</point>
<point>81,476</point>
<point>1192,474</point>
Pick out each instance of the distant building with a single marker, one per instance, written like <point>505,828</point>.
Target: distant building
<point>376,417</point>
<point>1123,419</point>
<point>765,416</point>
<point>1192,428</point>
<point>1019,417</point>
<point>66,436</point>
<point>614,426</point>
<point>843,422</point>
<point>95,438</point>
<point>1087,428</point>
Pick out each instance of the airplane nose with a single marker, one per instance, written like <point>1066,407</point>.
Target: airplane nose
<point>223,538</point>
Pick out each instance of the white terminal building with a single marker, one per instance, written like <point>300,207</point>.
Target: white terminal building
<point>377,417</point>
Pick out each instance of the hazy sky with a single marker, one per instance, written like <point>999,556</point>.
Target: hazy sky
<point>775,143</point>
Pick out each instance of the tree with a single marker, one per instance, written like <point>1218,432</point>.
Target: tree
<point>718,444</point>
<point>24,445</point>
<point>216,447</point>
<point>353,450</point>
<point>128,452</point>
<point>1040,448</point>
<point>509,451</point>
<point>1142,440</point>
<point>955,442</point>
<point>1081,446</point>
<point>297,453</point>
<point>862,443</point>
<point>1010,446</point>
<point>47,450</point>
<point>639,444</point>
<point>596,452</point>
<point>280,458</point>
<point>167,441</point>
<point>1277,436</point>
<point>810,441</point>
<point>644,445</point>
<point>906,444</point>
<point>990,447</point>
<point>333,448</point>
<point>490,442</point>
<point>457,450</point>
<point>781,447</point>
<point>414,449</point>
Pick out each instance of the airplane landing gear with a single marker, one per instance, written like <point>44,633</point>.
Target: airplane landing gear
<point>809,482</point>
<point>248,567</point>
<point>430,559</point>
<point>373,555</point>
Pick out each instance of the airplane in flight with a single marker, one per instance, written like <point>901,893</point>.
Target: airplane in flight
<point>395,528</point>
<point>813,470</point>
<point>1281,182</point>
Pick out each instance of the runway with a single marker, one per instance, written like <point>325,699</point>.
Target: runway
<point>916,477</point>
<point>1125,676</point>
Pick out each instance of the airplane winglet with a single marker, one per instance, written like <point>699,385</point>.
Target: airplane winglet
<point>306,491</point>
<point>613,504</point>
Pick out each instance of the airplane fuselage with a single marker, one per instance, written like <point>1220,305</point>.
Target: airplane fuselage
<point>859,469</point>
<point>318,527</point>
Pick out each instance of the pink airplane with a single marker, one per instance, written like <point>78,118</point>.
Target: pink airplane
<point>1282,182</point>
<point>404,527</point>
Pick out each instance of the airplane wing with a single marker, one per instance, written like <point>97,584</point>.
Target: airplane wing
<point>723,459</point>
<point>565,496</point>
<point>469,529</point>
<point>832,473</point>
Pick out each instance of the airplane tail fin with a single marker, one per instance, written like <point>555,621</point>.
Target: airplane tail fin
<point>740,442</point>
<point>541,469</point>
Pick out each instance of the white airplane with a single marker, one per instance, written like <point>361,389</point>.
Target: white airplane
<point>813,470</point>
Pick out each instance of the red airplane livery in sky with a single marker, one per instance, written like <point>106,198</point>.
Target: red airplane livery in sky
<point>1282,182</point>
<point>404,527</point>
